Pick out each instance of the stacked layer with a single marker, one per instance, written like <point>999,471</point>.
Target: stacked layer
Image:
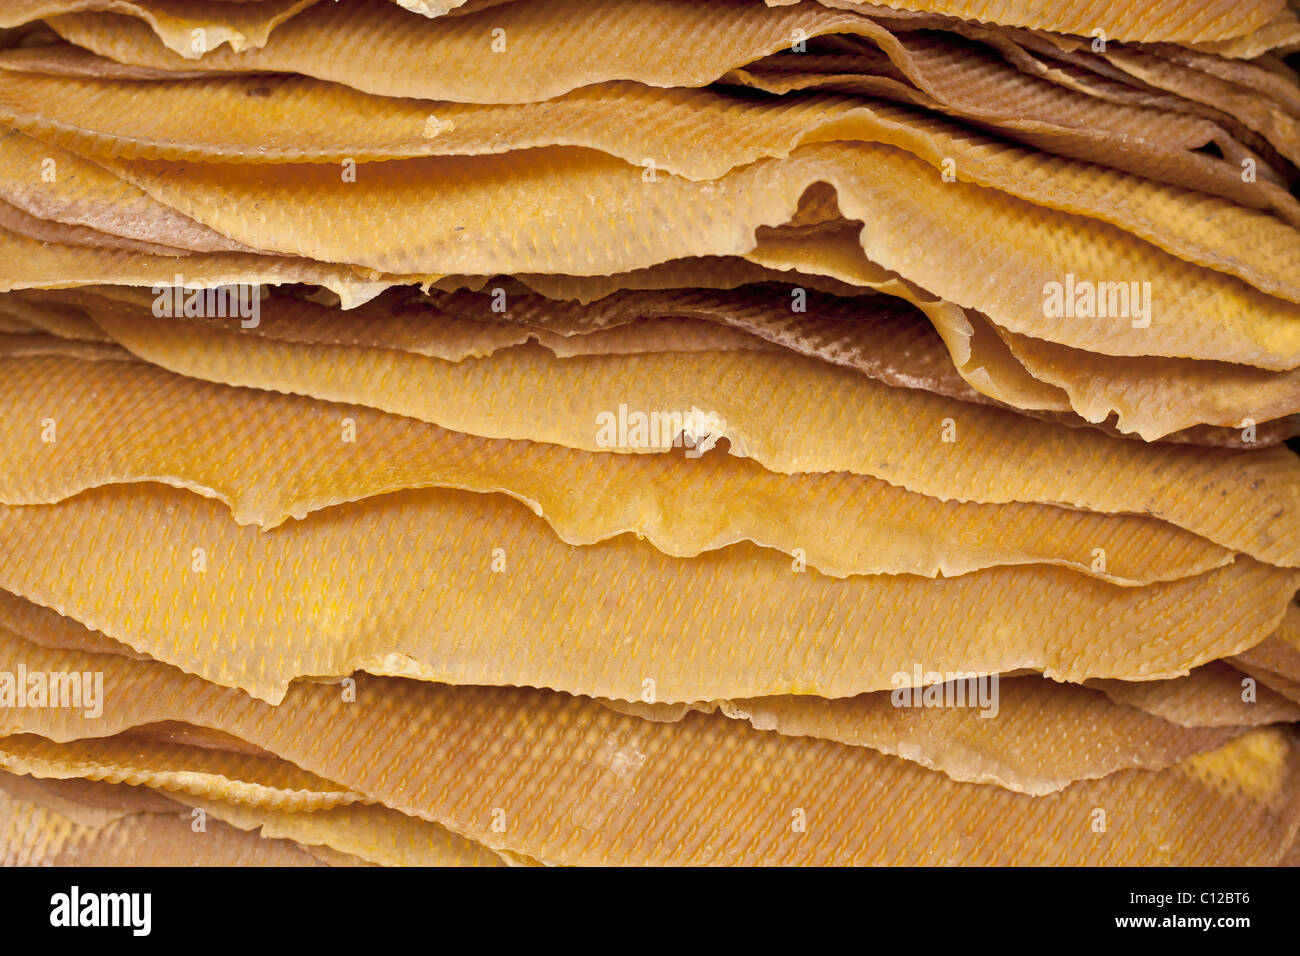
<point>805,434</point>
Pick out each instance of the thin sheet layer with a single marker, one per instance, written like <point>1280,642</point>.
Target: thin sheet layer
<point>281,456</point>
<point>712,790</point>
<point>379,585</point>
<point>996,456</point>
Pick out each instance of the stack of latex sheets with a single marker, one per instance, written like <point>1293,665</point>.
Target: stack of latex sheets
<point>649,431</point>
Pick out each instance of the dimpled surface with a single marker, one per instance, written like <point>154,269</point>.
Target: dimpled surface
<point>413,227</point>
<point>1281,652</point>
<point>246,795</point>
<point>31,264</point>
<point>411,569</point>
<point>1151,395</point>
<point>565,780</point>
<point>33,835</point>
<point>282,455</point>
<point>836,420</point>
<point>57,185</point>
<point>235,778</point>
<point>1043,736</point>
<point>175,22</point>
<point>202,119</point>
<point>1175,20</point>
<point>404,583</point>
<point>1208,697</point>
<point>1211,696</point>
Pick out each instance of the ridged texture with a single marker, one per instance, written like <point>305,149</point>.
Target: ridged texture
<point>1209,697</point>
<point>371,833</point>
<point>1282,33</point>
<point>201,120</point>
<point>1195,313</point>
<point>1042,736</point>
<point>1280,127</point>
<point>411,324</point>
<point>16,344</point>
<point>996,457</point>
<point>1173,20</point>
<point>188,27</point>
<point>86,802</point>
<point>1276,663</point>
<point>37,265</point>
<point>1213,695</point>
<point>880,337</point>
<point>967,81</point>
<point>23,223</point>
<point>234,778</point>
<point>583,784</point>
<point>32,835</point>
<point>674,44</point>
<point>280,456</point>
<point>379,48</point>
<point>1216,695</point>
<point>1153,143</point>
<point>1281,652</point>
<point>1150,396</point>
<point>408,571</point>
<point>985,370</point>
<point>53,184</point>
<point>380,585</point>
<point>367,832</point>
